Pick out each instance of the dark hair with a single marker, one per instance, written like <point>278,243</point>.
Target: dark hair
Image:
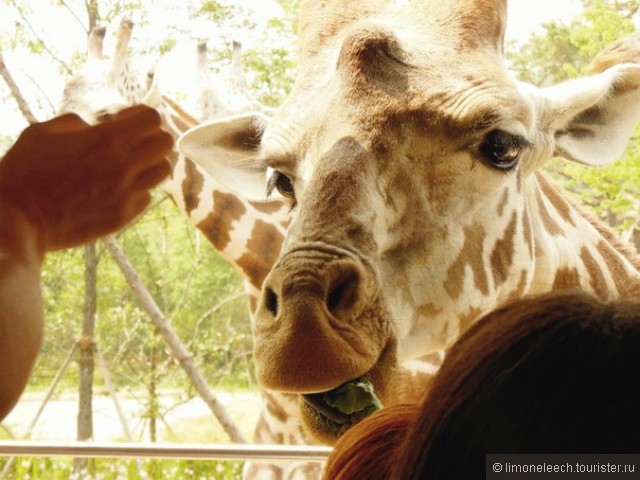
<point>364,452</point>
<point>556,373</point>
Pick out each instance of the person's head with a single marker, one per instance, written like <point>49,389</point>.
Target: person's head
<point>556,373</point>
<point>364,452</point>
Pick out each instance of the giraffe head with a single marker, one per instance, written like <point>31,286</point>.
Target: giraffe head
<point>409,155</point>
<point>226,92</point>
<point>104,85</point>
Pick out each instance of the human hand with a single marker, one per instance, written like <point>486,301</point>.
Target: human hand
<point>75,182</point>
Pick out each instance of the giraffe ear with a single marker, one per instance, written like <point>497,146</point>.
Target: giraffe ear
<point>593,118</point>
<point>226,148</point>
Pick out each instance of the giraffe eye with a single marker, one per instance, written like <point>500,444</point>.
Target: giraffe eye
<point>104,116</point>
<point>282,183</point>
<point>502,149</point>
<point>284,186</point>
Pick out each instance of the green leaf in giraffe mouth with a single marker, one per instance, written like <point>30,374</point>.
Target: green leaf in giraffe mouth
<point>347,404</point>
<point>353,397</point>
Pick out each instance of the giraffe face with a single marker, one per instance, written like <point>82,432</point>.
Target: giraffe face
<point>88,95</point>
<point>105,86</point>
<point>408,154</point>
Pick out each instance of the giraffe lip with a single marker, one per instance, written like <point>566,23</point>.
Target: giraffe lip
<point>317,403</point>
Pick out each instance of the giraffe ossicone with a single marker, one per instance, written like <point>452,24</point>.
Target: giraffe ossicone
<point>412,159</point>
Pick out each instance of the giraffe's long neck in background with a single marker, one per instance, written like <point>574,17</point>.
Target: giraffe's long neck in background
<point>575,250</point>
<point>247,234</point>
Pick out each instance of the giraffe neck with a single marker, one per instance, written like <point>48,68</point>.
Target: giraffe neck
<point>247,234</point>
<point>532,240</point>
<point>576,250</point>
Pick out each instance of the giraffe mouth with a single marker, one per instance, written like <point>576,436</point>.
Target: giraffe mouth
<point>315,401</point>
<point>342,407</point>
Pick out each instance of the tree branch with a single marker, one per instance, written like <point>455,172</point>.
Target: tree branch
<point>179,351</point>
<point>40,41</point>
<point>73,14</point>
<point>17,94</point>
<point>45,95</point>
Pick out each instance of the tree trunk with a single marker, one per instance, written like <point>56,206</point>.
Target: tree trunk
<point>153,408</point>
<point>87,351</point>
<point>178,350</point>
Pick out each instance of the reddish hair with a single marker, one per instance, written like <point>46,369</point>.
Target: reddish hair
<point>550,374</point>
<point>365,451</point>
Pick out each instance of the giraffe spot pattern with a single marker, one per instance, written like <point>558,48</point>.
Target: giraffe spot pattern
<point>274,408</point>
<point>521,287</point>
<point>216,226</point>
<point>267,208</point>
<point>503,202</point>
<point>547,220</point>
<point>191,186</point>
<point>502,255</point>
<point>259,470</point>
<point>307,470</point>
<point>566,277</point>
<point>263,249</point>
<point>618,271</point>
<point>596,277</point>
<point>469,256</point>
<point>561,205</point>
<point>528,232</point>
<point>468,318</point>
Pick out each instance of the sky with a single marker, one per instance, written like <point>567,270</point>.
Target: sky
<point>525,17</point>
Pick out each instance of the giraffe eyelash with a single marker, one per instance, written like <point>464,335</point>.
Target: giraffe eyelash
<point>272,178</point>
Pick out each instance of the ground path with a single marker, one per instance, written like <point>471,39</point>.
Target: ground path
<point>183,421</point>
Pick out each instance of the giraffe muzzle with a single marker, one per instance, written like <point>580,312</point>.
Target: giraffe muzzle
<point>318,324</point>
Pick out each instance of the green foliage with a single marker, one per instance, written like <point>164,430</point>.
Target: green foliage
<point>166,46</point>
<point>5,142</point>
<point>116,469</point>
<point>217,11</point>
<point>565,50</point>
<point>224,14</point>
<point>274,73</point>
<point>110,10</point>
<point>290,9</point>
<point>190,283</point>
<point>274,65</point>
<point>562,52</point>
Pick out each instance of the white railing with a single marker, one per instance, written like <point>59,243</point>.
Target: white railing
<point>183,451</point>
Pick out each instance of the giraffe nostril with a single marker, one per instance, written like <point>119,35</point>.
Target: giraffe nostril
<point>271,302</point>
<point>343,295</point>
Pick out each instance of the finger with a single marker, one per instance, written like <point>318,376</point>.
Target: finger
<point>148,153</point>
<point>105,223</point>
<point>134,122</point>
<point>153,146</point>
<point>139,206</point>
<point>69,122</point>
<point>129,210</point>
<point>151,177</point>
<point>134,110</point>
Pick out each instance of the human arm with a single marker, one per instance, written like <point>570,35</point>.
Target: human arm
<point>63,184</point>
